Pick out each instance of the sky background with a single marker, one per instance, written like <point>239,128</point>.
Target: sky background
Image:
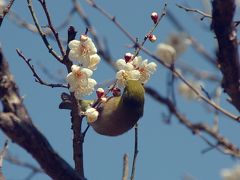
<point>165,151</point>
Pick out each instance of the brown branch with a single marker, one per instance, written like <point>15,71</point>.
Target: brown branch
<point>197,127</point>
<point>76,119</point>
<point>38,79</point>
<point>227,56</point>
<point>55,33</point>
<point>204,15</point>
<point>125,167</point>
<point>195,44</point>
<point>151,30</point>
<point>17,125</point>
<point>173,70</point>
<point>135,152</point>
<point>6,10</point>
<point>41,33</point>
<point>197,73</point>
<point>16,19</point>
<point>3,153</point>
<point>103,51</point>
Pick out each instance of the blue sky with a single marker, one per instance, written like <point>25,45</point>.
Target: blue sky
<point>165,151</point>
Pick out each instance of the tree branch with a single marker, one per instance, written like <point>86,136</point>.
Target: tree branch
<point>228,58</point>
<point>38,79</point>
<point>6,10</point>
<point>41,33</point>
<point>196,128</point>
<point>17,125</point>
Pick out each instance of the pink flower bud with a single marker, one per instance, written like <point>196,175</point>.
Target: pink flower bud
<point>100,93</point>
<point>152,37</point>
<point>154,17</point>
<point>128,57</point>
<point>116,92</point>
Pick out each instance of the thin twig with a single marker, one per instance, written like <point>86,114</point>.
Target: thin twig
<point>197,73</point>
<point>125,167</point>
<point>16,19</point>
<point>151,30</point>
<point>55,33</point>
<point>200,95</point>
<point>204,15</point>
<point>5,11</point>
<point>135,152</point>
<point>195,44</point>
<point>102,47</point>
<point>3,153</point>
<point>181,77</point>
<point>226,146</point>
<point>38,79</point>
<point>41,33</point>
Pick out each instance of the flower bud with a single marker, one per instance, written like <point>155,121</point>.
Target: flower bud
<point>154,17</point>
<point>128,57</point>
<point>92,115</point>
<point>116,92</point>
<point>152,37</point>
<point>100,93</point>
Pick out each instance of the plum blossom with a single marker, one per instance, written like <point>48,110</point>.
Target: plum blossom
<point>136,69</point>
<point>84,52</point>
<point>187,92</point>
<point>166,53</point>
<point>2,6</point>
<point>91,114</point>
<point>179,41</point>
<point>145,68</point>
<point>80,82</point>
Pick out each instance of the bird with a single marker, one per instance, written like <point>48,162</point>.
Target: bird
<point>119,114</point>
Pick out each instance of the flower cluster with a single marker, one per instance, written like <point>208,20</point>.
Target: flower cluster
<point>231,174</point>
<point>134,69</point>
<point>84,53</point>
<point>80,82</point>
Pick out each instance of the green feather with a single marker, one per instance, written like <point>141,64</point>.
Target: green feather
<point>84,104</point>
<point>119,114</point>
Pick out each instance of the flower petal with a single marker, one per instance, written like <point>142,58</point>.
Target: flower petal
<point>74,55</point>
<point>74,44</point>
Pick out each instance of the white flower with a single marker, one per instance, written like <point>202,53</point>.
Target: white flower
<point>84,51</point>
<point>231,174</point>
<point>179,42</point>
<point>145,68</point>
<point>78,76</point>
<point>187,92</point>
<point>137,69</point>
<point>93,62</point>
<point>166,53</point>
<point>121,64</point>
<point>81,91</point>
<point>122,76</point>
<point>80,82</point>
<point>2,6</point>
<point>91,114</point>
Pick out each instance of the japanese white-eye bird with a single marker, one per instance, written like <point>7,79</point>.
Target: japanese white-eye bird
<point>119,114</point>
